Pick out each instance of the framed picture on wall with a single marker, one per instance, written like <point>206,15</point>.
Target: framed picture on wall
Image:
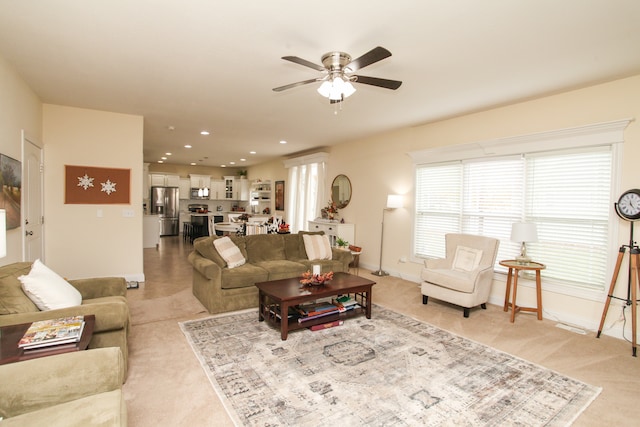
<point>279,195</point>
<point>11,178</point>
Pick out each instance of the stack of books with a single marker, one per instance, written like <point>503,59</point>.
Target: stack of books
<point>346,303</point>
<point>45,334</point>
<point>316,310</point>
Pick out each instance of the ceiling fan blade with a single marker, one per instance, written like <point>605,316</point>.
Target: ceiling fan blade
<point>292,85</point>
<point>374,55</point>
<point>374,81</point>
<point>304,62</point>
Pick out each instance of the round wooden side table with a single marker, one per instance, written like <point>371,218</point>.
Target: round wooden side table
<point>513,265</point>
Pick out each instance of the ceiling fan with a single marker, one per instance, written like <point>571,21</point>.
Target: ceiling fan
<point>338,69</point>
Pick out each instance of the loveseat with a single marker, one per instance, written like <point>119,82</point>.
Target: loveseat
<point>81,389</point>
<point>104,297</point>
<point>268,257</point>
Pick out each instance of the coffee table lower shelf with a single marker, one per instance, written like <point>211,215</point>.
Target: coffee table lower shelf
<point>268,314</point>
<point>277,296</point>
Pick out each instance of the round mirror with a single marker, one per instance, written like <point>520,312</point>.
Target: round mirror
<point>341,191</point>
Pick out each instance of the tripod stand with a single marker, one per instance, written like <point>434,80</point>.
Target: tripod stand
<point>632,285</point>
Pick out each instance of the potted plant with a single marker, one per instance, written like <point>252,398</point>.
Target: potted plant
<point>341,243</point>
<point>243,173</point>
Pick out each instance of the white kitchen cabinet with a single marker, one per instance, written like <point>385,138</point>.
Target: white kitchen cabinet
<point>217,190</point>
<point>334,230</point>
<point>185,189</point>
<point>243,189</point>
<point>229,188</point>
<point>164,180</point>
<point>200,181</point>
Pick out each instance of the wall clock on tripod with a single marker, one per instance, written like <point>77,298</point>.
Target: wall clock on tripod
<point>627,208</point>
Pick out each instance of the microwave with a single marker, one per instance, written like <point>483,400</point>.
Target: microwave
<point>195,192</point>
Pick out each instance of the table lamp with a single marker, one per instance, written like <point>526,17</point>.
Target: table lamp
<point>524,232</point>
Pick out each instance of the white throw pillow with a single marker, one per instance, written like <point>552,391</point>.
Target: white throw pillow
<point>466,259</point>
<point>229,252</point>
<point>47,290</point>
<point>317,246</point>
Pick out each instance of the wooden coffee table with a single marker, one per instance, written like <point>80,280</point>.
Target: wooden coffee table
<point>11,335</point>
<point>287,293</point>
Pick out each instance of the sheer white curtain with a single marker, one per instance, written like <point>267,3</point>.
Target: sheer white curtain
<point>306,195</point>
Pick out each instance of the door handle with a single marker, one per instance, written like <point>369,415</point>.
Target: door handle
<point>29,233</point>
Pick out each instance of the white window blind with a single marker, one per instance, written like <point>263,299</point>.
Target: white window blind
<point>566,193</point>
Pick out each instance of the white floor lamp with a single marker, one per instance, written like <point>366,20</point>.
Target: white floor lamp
<point>393,201</point>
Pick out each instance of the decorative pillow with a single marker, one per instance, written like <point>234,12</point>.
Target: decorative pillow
<point>466,259</point>
<point>47,290</point>
<point>317,246</point>
<point>229,252</point>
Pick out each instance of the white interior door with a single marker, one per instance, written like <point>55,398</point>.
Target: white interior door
<point>32,196</point>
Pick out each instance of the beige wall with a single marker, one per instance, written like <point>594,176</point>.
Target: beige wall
<point>383,167</point>
<point>20,109</point>
<point>78,243</point>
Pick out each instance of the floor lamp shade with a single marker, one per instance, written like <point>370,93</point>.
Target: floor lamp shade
<point>3,233</point>
<point>394,201</point>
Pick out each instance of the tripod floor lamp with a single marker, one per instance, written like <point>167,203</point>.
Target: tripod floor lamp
<point>393,201</point>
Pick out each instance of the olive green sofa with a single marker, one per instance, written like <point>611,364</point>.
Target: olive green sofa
<point>104,297</point>
<point>76,389</point>
<point>268,257</point>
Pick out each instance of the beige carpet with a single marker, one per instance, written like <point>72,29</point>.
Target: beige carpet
<point>166,385</point>
<point>390,370</point>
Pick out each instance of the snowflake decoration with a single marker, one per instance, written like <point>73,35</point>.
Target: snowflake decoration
<point>85,182</point>
<point>108,187</point>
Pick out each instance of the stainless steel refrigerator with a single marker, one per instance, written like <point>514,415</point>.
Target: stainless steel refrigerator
<point>166,204</point>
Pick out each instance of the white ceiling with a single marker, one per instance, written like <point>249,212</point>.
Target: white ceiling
<point>207,64</point>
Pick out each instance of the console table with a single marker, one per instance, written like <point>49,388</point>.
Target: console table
<point>334,229</point>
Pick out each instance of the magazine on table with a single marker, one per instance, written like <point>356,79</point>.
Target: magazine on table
<point>44,333</point>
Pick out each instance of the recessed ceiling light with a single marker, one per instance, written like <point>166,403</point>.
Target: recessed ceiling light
<point>171,127</point>
<point>283,142</point>
<point>163,158</point>
<point>193,163</point>
<point>168,154</point>
<point>243,160</point>
<point>252,152</point>
<point>204,132</point>
<point>160,161</point>
<point>187,146</point>
<point>232,163</point>
<point>223,166</point>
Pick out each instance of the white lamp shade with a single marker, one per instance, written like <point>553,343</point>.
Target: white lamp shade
<point>524,232</point>
<point>394,201</point>
<point>348,89</point>
<point>3,233</point>
<point>325,89</point>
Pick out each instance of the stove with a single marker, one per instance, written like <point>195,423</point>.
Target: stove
<point>198,208</point>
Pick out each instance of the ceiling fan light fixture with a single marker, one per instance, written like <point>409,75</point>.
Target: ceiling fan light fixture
<point>325,89</point>
<point>336,89</point>
<point>348,89</point>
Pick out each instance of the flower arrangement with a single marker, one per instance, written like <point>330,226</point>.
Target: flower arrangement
<point>331,210</point>
<point>309,278</point>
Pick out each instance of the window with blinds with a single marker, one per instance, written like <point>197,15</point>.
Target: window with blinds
<point>566,193</point>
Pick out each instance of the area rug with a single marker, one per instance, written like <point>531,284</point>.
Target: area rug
<point>390,370</point>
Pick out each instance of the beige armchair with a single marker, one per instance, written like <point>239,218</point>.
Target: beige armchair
<point>464,277</point>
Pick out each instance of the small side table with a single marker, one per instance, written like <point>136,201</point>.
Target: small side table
<point>10,337</point>
<point>513,265</point>
<point>356,262</point>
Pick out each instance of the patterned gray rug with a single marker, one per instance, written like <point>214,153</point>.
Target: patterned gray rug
<point>391,370</point>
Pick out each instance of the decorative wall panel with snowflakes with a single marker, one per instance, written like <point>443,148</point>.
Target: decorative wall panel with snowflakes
<point>97,186</point>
